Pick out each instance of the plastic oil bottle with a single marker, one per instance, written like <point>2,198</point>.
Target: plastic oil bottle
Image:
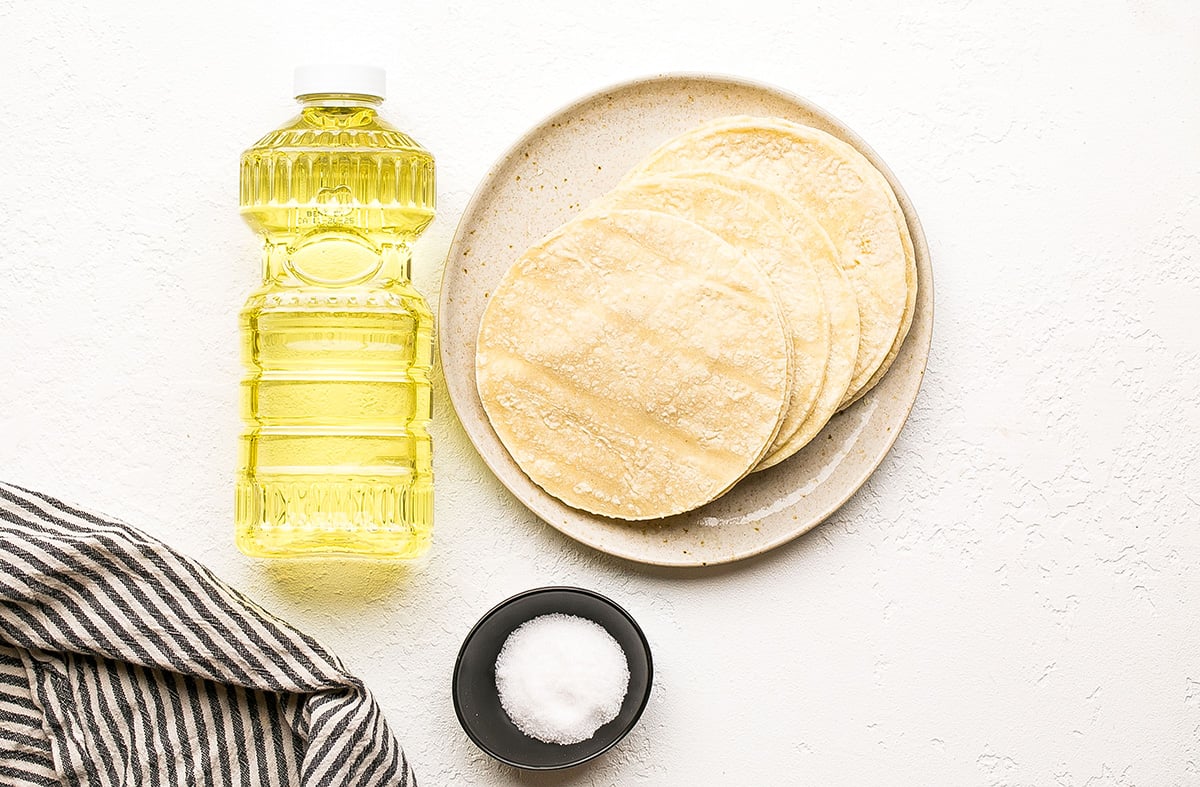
<point>335,454</point>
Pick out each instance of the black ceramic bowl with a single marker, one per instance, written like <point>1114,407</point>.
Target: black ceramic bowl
<point>478,705</point>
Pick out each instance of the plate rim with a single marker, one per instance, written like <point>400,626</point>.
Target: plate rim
<point>843,132</point>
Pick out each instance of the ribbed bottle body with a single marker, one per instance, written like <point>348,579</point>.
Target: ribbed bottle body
<point>335,455</point>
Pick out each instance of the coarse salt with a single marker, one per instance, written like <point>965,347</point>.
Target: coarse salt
<point>561,677</point>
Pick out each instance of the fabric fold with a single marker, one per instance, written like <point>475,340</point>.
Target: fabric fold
<point>123,662</point>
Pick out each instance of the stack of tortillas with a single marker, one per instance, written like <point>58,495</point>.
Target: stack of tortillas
<point>703,320</point>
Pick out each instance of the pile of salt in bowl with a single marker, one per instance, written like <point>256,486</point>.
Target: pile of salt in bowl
<point>561,677</point>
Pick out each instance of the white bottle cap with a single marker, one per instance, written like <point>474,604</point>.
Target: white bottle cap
<point>339,78</point>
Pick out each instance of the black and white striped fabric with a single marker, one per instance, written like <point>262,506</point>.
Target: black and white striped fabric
<point>124,663</point>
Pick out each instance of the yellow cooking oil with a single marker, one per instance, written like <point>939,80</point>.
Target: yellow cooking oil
<point>335,454</point>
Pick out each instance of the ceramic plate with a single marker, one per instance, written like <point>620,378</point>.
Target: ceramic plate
<point>552,173</point>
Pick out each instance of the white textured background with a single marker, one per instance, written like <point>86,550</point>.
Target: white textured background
<point>1013,599</point>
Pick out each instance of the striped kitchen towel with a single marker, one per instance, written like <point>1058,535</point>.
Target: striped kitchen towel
<point>124,663</point>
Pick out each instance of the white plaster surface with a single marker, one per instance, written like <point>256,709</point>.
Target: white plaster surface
<point>1013,598</point>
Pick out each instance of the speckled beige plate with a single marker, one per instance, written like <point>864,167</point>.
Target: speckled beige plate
<point>550,175</point>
